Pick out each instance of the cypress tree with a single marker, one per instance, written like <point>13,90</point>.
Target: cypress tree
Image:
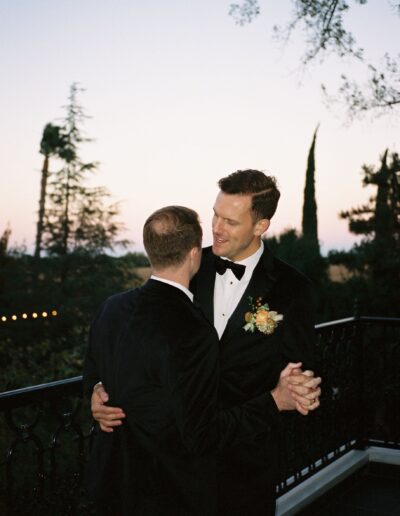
<point>309,220</point>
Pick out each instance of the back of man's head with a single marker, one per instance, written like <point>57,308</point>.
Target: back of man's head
<point>169,234</point>
<point>262,188</point>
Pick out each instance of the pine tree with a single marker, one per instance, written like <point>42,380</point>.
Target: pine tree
<point>78,218</point>
<point>376,259</point>
<point>379,219</point>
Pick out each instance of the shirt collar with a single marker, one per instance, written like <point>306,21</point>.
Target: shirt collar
<point>251,261</point>
<point>174,284</point>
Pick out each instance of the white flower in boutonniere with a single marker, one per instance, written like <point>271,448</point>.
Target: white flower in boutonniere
<point>261,317</point>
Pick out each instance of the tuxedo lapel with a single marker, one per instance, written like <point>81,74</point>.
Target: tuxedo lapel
<point>261,282</point>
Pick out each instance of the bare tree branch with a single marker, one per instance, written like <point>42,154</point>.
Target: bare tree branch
<point>323,24</point>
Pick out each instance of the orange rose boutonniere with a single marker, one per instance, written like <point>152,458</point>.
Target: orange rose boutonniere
<point>261,317</point>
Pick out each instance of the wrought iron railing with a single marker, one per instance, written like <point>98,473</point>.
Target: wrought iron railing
<point>44,433</point>
<point>45,430</point>
<point>358,359</point>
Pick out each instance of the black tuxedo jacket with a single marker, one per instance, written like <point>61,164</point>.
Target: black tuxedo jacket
<point>158,358</point>
<point>250,363</point>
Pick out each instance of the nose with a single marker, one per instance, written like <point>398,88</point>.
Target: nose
<point>216,224</point>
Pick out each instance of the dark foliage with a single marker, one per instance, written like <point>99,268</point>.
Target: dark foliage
<point>39,349</point>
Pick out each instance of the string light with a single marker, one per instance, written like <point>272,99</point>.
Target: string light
<point>25,316</point>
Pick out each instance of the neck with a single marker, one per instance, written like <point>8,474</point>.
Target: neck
<point>179,275</point>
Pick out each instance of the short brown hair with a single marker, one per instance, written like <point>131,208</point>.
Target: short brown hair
<point>262,188</point>
<point>169,234</point>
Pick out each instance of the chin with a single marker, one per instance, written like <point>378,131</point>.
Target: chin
<point>217,250</point>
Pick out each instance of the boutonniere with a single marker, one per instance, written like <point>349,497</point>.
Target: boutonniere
<point>261,317</point>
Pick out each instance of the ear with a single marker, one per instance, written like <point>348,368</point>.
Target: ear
<point>195,257</point>
<point>194,252</point>
<point>261,226</point>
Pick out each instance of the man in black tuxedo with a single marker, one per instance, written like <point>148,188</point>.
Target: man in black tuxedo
<point>263,312</point>
<point>242,213</point>
<point>158,358</point>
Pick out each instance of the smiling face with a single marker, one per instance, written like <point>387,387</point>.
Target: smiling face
<point>235,234</point>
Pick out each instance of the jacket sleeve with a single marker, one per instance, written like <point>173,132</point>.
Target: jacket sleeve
<point>194,381</point>
<point>90,367</point>
<point>298,331</point>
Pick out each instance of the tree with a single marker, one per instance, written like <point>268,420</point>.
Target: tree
<point>4,241</point>
<point>376,259</point>
<point>78,218</point>
<point>323,22</point>
<point>51,144</point>
<point>379,219</point>
<point>309,220</point>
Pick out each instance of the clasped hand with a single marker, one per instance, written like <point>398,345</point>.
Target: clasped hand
<point>297,390</point>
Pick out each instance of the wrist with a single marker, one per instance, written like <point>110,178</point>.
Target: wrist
<point>275,395</point>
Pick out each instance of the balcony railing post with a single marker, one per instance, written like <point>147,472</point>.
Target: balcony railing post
<point>362,439</point>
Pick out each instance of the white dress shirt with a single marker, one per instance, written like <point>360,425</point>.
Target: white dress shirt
<point>174,284</point>
<point>228,290</point>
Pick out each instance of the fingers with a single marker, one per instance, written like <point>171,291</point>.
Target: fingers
<point>301,409</point>
<point>99,393</point>
<point>107,413</point>
<point>299,372</point>
<point>105,428</point>
<point>108,417</point>
<point>108,426</point>
<point>303,387</point>
<point>291,366</point>
<point>306,406</point>
<point>305,410</point>
<point>306,397</point>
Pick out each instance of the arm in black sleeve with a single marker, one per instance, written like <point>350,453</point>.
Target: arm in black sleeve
<point>194,380</point>
<point>298,331</point>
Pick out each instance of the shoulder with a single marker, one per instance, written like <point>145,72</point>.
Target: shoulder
<point>117,304</point>
<point>289,283</point>
<point>207,261</point>
<point>287,273</point>
<point>207,256</point>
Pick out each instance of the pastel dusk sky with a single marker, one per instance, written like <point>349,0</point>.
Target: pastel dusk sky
<point>178,96</point>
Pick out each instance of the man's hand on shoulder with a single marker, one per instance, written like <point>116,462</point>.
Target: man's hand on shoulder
<point>107,417</point>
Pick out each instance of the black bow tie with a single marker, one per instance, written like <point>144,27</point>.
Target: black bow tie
<point>221,266</point>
